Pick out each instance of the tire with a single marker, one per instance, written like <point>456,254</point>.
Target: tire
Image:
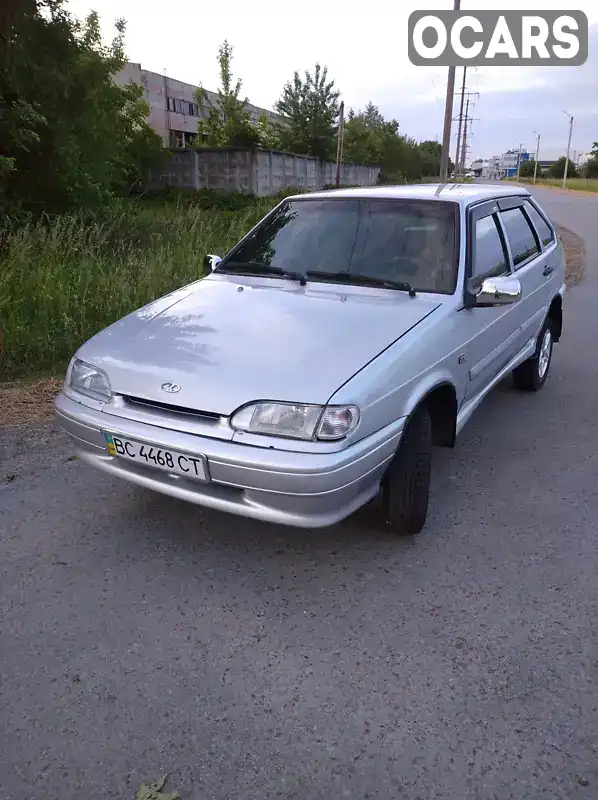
<point>406,485</point>
<point>531,375</point>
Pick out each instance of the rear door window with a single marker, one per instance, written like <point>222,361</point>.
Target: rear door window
<point>545,231</point>
<point>522,238</point>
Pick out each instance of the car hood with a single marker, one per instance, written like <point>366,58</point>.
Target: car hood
<point>227,341</point>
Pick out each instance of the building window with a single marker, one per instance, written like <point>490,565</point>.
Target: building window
<point>180,139</point>
<point>181,106</point>
<point>176,139</point>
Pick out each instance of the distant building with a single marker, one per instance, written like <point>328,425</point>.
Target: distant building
<point>498,167</point>
<point>174,113</point>
<point>509,160</point>
<point>505,165</point>
<point>487,168</point>
<point>545,164</point>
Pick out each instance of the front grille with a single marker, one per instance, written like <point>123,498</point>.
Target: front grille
<point>141,401</point>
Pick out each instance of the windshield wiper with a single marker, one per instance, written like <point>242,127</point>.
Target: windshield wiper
<point>257,268</point>
<point>363,280</point>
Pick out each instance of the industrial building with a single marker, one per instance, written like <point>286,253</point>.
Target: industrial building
<point>498,167</point>
<point>174,112</point>
<point>505,165</point>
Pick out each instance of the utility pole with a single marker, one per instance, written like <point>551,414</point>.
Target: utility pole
<point>448,115</point>
<point>461,166</point>
<point>464,120</point>
<point>568,149</point>
<point>460,123</point>
<point>537,154</point>
<point>339,146</point>
<point>169,142</point>
<point>519,160</point>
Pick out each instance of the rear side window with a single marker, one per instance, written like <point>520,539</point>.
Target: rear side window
<point>489,258</point>
<point>545,232</point>
<point>520,235</point>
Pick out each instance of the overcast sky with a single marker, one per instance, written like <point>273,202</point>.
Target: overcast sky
<point>366,54</point>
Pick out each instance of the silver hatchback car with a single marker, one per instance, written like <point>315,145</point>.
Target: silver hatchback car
<point>320,360</point>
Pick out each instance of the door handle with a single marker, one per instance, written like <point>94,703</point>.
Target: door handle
<point>547,270</point>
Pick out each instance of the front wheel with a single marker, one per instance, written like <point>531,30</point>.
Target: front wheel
<point>531,375</point>
<point>406,485</point>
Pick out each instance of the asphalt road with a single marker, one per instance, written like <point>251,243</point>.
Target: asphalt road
<point>141,635</point>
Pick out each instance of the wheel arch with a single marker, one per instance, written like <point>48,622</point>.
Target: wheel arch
<point>441,403</point>
<point>555,314</point>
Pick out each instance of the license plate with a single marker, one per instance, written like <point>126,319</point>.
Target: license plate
<point>167,460</point>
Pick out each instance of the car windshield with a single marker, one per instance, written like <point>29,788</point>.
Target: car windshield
<point>403,241</point>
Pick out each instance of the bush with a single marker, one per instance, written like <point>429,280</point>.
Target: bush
<point>591,168</point>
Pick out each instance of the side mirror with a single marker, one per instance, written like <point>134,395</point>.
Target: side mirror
<point>497,291</point>
<point>211,262</point>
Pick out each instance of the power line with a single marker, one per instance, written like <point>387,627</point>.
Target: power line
<point>461,162</point>
<point>463,121</point>
<point>460,119</point>
<point>460,168</point>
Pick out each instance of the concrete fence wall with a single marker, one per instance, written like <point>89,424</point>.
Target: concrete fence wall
<point>261,172</point>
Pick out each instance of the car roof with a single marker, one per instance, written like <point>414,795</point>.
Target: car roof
<point>463,193</point>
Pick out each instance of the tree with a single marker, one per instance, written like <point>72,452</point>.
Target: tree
<point>227,122</point>
<point>590,169</point>
<point>557,170</point>
<point>267,133</point>
<point>430,154</point>
<point>370,139</point>
<point>365,136</point>
<point>526,169</point>
<point>69,136</point>
<point>311,107</point>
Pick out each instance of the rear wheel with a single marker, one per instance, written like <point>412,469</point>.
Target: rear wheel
<point>406,485</point>
<point>531,375</point>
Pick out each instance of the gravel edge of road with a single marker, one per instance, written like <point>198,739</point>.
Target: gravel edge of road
<point>575,255</point>
<point>27,409</point>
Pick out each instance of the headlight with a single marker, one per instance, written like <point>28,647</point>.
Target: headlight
<point>296,420</point>
<point>90,381</point>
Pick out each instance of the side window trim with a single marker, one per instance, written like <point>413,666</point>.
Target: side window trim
<point>516,267</point>
<point>514,201</point>
<point>474,213</point>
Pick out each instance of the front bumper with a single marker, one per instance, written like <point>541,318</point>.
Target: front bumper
<point>301,489</point>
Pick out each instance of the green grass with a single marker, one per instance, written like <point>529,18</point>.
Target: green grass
<point>61,281</point>
<point>578,184</point>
